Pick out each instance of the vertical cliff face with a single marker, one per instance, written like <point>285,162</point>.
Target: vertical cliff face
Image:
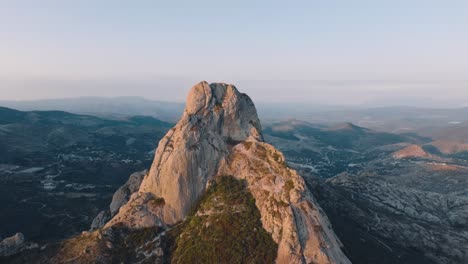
<point>189,155</point>
<point>220,134</point>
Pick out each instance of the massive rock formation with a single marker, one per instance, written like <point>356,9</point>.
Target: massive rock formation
<point>220,134</point>
<point>188,156</point>
<point>215,116</point>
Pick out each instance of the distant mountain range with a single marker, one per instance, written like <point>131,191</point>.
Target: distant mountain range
<point>106,107</point>
<point>398,119</point>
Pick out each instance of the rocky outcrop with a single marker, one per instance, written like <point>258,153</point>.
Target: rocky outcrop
<point>122,195</point>
<point>220,134</point>
<point>100,220</point>
<point>14,244</point>
<point>120,198</point>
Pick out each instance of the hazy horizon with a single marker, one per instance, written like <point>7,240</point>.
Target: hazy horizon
<point>322,93</point>
<point>358,53</point>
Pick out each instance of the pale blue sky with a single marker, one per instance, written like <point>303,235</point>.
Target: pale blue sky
<point>331,51</point>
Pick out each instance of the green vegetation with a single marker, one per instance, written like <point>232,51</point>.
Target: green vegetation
<point>288,185</point>
<point>225,229</point>
<point>141,236</point>
<point>127,242</point>
<point>158,202</point>
<point>77,244</point>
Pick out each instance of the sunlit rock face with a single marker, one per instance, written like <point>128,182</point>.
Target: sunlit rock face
<point>215,117</point>
<point>220,134</point>
<point>189,155</point>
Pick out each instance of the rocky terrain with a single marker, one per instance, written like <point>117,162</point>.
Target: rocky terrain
<point>395,200</point>
<point>413,213</point>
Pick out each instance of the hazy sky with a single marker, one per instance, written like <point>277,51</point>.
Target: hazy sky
<point>319,51</point>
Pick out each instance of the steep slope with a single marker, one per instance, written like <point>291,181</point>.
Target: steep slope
<point>220,134</point>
